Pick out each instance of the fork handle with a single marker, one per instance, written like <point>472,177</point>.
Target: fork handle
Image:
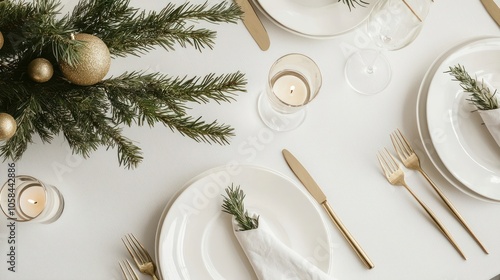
<point>437,222</point>
<point>354,244</point>
<point>453,210</point>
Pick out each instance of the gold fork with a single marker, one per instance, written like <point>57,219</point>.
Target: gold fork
<point>141,257</point>
<point>128,271</point>
<point>411,161</point>
<point>395,176</point>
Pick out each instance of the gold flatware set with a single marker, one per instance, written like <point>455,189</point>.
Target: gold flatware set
<point>141,258</point>
<point>395,175</point>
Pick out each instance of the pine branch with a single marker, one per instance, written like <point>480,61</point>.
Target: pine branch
<point>480,94</point>
<point>233,204</point>
<point>352,3</point>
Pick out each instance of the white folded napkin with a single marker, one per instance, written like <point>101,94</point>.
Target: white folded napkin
<point>271,259</point>
<point>491,119</point>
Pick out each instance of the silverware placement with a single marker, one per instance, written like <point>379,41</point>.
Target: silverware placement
<point>320,197</point>
<point>128,271</point>
<point>492,9</point>
<point>140,256</point>
<point>411,161</point>
<point>395,176</point>
<point>253,24</point>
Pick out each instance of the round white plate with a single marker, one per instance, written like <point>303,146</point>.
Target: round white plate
<point>195,238</point>
<point>462,142</point>
<point>314,22</point>
<point>423,128</point>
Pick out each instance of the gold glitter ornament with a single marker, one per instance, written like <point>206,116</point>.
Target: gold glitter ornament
<point>8,126</point>
<point>1,40</point>
<point>40,70</point>
<point>94,62</point>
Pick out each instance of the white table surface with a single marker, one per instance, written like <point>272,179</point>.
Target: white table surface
<point>337,143</point>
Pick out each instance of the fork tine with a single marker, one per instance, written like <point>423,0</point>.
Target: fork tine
<point>132,250</point>
<point>406,141</point>
<point>128,271</point>
<point>401,146</point>
<point>143,252</point>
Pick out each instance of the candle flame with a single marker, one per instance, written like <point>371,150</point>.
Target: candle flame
<point>292,88</point>
<point>32,201</point>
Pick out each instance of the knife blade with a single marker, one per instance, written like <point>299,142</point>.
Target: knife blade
<point>253,24</point>
<point>493,9</point>
<point>307,180</point>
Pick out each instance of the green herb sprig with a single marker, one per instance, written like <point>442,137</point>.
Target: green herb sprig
<point>480,95</point>
<point>352,3</point>
<point>233,204</point>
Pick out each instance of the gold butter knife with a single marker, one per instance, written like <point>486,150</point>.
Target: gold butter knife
<point>313,188</point>
<point>492,9</point>
<point>253,24</point>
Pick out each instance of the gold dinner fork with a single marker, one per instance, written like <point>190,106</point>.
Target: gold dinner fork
<point>141,257</point>
<point>128,271</point>
<point>411,161</point>
<point>395,176</point>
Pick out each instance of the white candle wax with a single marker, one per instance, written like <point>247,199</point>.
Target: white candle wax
<point>291,88</point>
<point>32,200</point>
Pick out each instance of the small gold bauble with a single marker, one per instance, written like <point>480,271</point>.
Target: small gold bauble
<point>1,40</point>
<point>8,126</point>
<point>40,70</point>
<point>93,64</point>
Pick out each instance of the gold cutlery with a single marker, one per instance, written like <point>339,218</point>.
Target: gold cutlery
<point>411,161</point>
<point>313,188</point>
<point>128,271</point>
<point>492,8</point>
<point>140,256</point>
<point>253,24</point>
<point>395,176</point>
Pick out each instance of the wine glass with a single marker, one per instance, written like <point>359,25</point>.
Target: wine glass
<point>392,25</point>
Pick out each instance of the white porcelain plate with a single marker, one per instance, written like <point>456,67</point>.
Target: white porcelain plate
<point>462,142</point>
<point>195,238</point>
<point>319,22</point>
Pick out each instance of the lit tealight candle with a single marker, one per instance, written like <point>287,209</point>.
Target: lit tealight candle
<point>291,88</point>
<point>32,201</point>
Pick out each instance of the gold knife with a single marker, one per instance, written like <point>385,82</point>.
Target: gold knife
<point>492,9</point>
<point>313,188</point>
<point>253,24</point>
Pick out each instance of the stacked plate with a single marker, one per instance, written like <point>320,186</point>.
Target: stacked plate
<point>314,19</point>
<point>195,239</point>
<point>452,132</point>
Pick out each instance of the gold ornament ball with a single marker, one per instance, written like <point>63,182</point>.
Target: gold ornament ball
<point>40,70</point>
<point>94,62</point>
<point>1,40</point>
<point>8,126</point>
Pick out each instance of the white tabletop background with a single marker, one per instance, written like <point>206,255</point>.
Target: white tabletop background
<point>337,143</point>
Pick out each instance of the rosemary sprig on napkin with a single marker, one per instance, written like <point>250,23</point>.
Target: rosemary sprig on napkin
<point>233,204</point>
<point>480,95</point>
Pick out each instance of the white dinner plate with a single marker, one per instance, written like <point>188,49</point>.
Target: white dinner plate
<point>314,22</point>
<point>195,238</point>
<point>461,141</point>
<point>423,128</point>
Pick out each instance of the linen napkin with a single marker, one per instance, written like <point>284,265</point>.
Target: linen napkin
<point>271,259</point>
<point>491,119</point>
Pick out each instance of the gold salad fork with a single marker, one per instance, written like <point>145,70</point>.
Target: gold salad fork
<point>128,271</point>
<point>395,176</point>
<point>411,161</point>
<point>141,257</point>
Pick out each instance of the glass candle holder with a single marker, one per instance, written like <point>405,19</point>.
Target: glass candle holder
<point>294,80</point>
<point>24,198</point>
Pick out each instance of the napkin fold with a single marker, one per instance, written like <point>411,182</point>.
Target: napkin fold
<point>491,119</point>
<point>271,259</point>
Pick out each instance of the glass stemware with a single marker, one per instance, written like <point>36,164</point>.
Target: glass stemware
<point>392,25</point>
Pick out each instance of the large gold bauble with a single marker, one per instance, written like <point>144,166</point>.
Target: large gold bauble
<point>8,126</point>
<point>93,64</point>
<point>40,70</point>
<point>1,40</point>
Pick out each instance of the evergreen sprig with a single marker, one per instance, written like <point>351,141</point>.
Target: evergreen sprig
<point>92,116</point>
<point>353,3</point>
<point>233,204</point>
<point>480,94</point>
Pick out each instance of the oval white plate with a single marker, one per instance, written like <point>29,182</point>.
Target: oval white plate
<point>314,22</point>
<point>463,144</point>
<point>195,238</point>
